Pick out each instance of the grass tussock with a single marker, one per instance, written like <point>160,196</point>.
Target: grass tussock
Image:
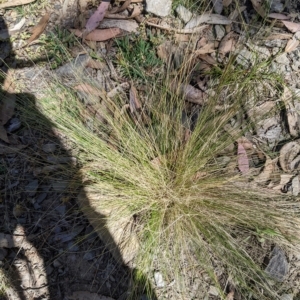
<point>160,166</point>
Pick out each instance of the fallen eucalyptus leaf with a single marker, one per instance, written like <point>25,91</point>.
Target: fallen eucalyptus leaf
<point>207,18</point>
<point>278,16</point>
<point>291,45</point>
<point>38,29</point>
<point>243,161</point>
<point>291,26</point>
<point>258,6</point>
<point>99,35</point>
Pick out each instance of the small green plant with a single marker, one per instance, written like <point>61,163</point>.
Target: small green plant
<point>55,45</point>
<point>137,58</point>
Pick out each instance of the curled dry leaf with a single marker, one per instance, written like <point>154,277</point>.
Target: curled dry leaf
<point>227,43</point>
<point>289,156</point>
<point>191,94</point>
<point>295,186</point>
<point>88,89</point>
<point>127,25</point>
<point>99,35</point>
<point>291,26</point>
<point>11,3</point>
<point>291,45</point>
<point>243,162</point>
<point>230,296</point>
<point>207,48</point>
<point>278,16</point>
<point>208,59</point>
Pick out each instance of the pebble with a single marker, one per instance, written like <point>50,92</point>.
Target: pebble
<point>160,8</point>
<point>3,253</point>
<point>283,59</point>
<point>14,124</point>
<point>73,247</point>
<point>183,13</point>
<point>41,197</point>
<point>31,187</point>
<point>278,265</point>
<point>89,255</point>
<point>159,280</point>
<point>49,148</point>
<point>220,32</point>
<point>213,291</point>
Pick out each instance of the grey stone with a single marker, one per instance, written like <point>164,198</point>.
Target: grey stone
<point>31,187</point>
<point>48,148</point>
<point>41,197</point>
<point>286,297</point>
<point>159,281</point>
<point>161,8</point>
<point>61,209</point>
<point>213,291</point>
<point>89,255</point>
<point>3,253</point>
<point>245,58</point>
<point>220,32</point>
<point>14,124</point>
<point>278,265</point>
<point>183,13</point>
<point>73,247</point>
<point>283,59</point>
<point>59,185</point>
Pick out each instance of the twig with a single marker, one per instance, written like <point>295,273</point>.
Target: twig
<point>187,31</point>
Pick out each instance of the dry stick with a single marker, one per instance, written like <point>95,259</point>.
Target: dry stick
<point>187,31</point>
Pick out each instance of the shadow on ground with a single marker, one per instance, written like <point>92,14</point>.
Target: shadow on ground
<point>48,249</point>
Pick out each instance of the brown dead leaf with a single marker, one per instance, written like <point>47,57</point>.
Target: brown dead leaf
<point>207,48</point>
<point>226,3</point>
<point>243,161</point>
<point>99,35</point>
<point>227,44</point>
<point>284,179</point>
<point>95,64</point>
<point>209,19</point>
<point>258,6</point>
<point>269,168</point>
<point>279,36</point>
<point>230,296</point>
<point>134,102</point>
<point>3,134</point>
<point>291,26</point>
<point>287,154</point>
<point>88,89</point>
<point>11,3</point>
<point>38,29</point>
<point>278,16</point>
<point>191,94</point>
<point>181,37</point>
<point>208,59</point>
<point>291,45</point>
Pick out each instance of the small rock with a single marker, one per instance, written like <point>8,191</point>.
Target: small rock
<point>287,297</point>
<point>213,291</point>
<point>41,197</point>
<point>183,13</point>
<point>31,187</point>
<point>49,148</point>
<point>159,280</point>
<point>3,253</point>
<point>278,265</point>
<point>49,270</point>
<point>13,125</point>
<point>283,59</point>
<point>220,32</point>
<point>161,8</point>
<point>61,209</point>
<point>59,186</point>
<point>89,255</point>
<point>56,263</point>
<point>73,247</point>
